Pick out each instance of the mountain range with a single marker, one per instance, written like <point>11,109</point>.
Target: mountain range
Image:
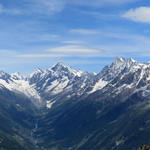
<point>66,109</point>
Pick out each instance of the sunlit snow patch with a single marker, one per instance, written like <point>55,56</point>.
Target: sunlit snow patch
<point>99,85</point>
<point>49,104</point>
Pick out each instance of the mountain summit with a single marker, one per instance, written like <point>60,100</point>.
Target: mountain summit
<point>63,81</point>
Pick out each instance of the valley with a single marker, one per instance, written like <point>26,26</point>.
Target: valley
<point>65,109</point>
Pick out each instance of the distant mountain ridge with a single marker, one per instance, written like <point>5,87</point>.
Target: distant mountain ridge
<point>65,109</point>
<point>44,86</point>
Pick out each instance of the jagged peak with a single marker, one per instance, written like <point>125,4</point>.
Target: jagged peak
<point>17,75</point>
<point>38,71</point>
<point>123,60</point>
<point>2,73</point>
<point>59,65</point>
<point>132,60</point>
<point>120,59</point>
<point>118,62</point>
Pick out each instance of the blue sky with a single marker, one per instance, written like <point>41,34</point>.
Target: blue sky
<point>83,34</point>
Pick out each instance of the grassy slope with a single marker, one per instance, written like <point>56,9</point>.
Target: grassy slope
<point>81,125</point>
<point>93,125</point>
<point>17,120</point>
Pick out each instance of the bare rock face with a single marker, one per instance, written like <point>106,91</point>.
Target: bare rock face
<point>145,147</point>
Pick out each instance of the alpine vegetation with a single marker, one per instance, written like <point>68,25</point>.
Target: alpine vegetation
<point>66,109</point>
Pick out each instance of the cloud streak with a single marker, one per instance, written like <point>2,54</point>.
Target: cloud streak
<point>46,7</point>
<point>10,11</point>
<point>64,51</point>
<point>85,31</point>
<point>99,3</point>
<point>140,14</point>
<point>73,42</point>
<point>41,55</point>
<point>73,49</point>
<point>50,7</point>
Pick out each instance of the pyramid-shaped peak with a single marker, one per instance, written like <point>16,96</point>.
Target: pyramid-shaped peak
<point>35,73</point>
<point>132,60</point>
<point>17,75</point>
<point>2,72</point>
<point>39,70</point>
<point>59,66</point>
<point>120,59</point>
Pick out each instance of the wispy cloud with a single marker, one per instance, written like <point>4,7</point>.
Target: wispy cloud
<point>46,7</point>
<point>130,44</point>
<point>43,37</point>
<point>10,11</point>
<point>41,55</point>
<point>73,49</point>
<point>64,51</point>
<point>50,7</point>
<point>140,14</point>
<point>58,5</point>
<point>85,31</point>
<point>73,42</point>
<point>98,3</point>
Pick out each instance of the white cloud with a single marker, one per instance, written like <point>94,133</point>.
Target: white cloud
<point>73,49</point>
<point>141,14</point>
<point>50,7</point>
<point>13,11</point>
<point>85,31</point>
<point>10,11</point>
<point>98,3</point>
<point>47,6</point>
<point>40,55</point>
<point>59,5</point>
<point>44,37</point>
<point>64,51</point>
<point>73,42</point>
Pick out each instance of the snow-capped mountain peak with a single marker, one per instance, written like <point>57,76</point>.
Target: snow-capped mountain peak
<point>132,60</point>
<point>59,66</point>
<point>38,71</point>
<point>119,60</point>
<point>62,68</point>
<point>2,73</point>
<point>17,76</point>
<point>4,76</point>
<point>122,61</point>
<point>63,81</point>
<point>18,84</point>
